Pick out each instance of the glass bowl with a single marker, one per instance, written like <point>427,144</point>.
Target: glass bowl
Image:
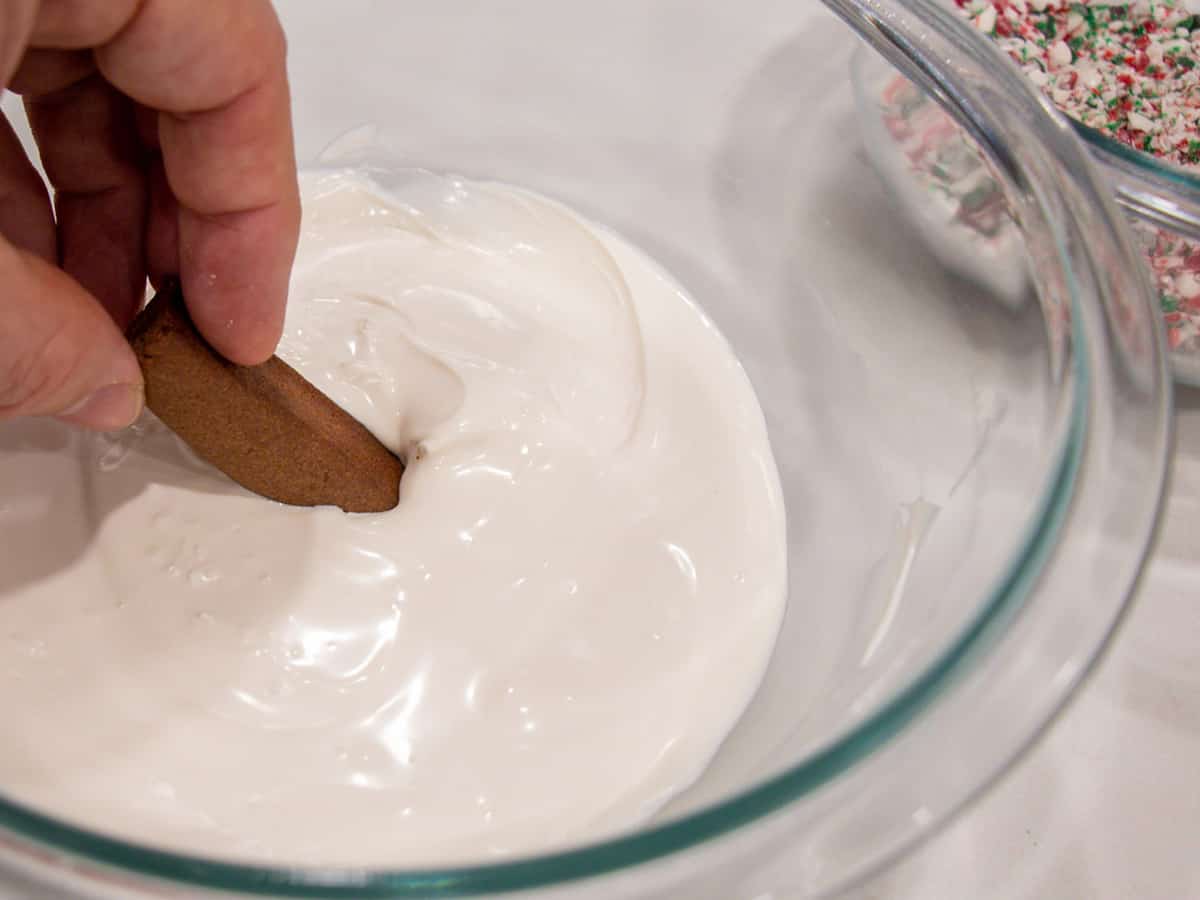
<point>973,445</point>
<point>1162,201</point>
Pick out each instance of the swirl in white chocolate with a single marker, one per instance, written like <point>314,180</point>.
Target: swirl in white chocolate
<point>547,639</point>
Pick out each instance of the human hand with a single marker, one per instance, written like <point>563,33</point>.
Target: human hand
<point>165,129</point>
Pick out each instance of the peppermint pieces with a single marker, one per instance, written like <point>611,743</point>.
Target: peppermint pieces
<point>1131,71</point>
<point>949,168</point>
<point>944,162</point>
<point>1126,69</point>
<point>1175,263</point>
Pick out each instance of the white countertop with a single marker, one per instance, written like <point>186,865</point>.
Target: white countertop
<point>1108,805</point>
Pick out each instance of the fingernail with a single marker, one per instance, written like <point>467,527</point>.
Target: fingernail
<point>111,408</point>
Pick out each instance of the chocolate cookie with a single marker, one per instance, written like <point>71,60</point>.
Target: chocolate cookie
<point>264,426</point>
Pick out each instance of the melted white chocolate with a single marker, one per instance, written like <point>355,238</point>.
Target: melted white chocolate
<point>549,636</point>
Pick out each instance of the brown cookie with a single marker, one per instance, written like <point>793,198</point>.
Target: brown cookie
<point>264,426</point>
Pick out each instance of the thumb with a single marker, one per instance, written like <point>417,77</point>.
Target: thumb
<point>60,353</point>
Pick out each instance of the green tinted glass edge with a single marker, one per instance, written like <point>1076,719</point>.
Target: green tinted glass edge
<point>1153,166</point>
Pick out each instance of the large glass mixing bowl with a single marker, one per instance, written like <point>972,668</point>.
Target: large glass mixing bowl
<point>972,434</point>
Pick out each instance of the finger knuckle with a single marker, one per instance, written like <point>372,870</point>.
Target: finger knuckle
<point>16,21</point>
<point>92,24</point>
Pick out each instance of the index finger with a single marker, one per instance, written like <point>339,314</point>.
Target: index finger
<point>216,72</point>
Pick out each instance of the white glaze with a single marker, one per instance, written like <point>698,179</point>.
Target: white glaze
<point>547,639</point>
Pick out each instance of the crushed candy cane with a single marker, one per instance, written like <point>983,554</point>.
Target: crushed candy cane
<point>1126,69</point>
<point>951,168</point>
<point>945,163</point>
<point>1175,263</point>
<point>1132,72</point>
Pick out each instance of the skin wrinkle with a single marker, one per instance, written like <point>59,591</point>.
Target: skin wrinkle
<point>123,59</point>
<point>69,16</point>
<point>14,33</point>
<point>51,70</point>
<point>75,103</point>
<point>47,363</point>
<point>25,216</point>
<point>94,160</point>
<point>207,192</point>
<point>37,367</point>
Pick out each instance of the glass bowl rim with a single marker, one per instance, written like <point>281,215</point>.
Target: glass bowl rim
<point>1147,163</point>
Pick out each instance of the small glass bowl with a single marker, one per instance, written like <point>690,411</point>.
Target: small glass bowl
<point>1162,201</point>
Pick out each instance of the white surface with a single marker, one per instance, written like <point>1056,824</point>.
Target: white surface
<point>1108,806</point>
